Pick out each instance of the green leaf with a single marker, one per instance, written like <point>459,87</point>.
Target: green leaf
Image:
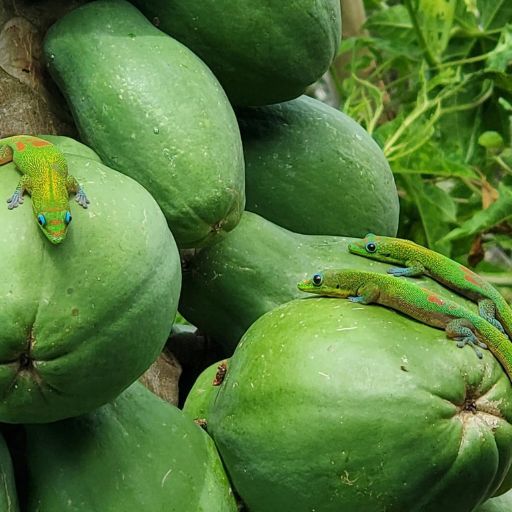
<point>433,20</point>
<point>476,17</point>
<point>394,31</point>
<point>504,241</point>
<point>436,208</point>
<point>500,58</point>
<point>498,212</point>
<point>494,13</point>
<point>459,126</point>
<point>475,24</point>
<point>432,159</point>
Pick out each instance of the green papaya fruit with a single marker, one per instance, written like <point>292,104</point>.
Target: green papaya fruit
<point>8,494</point>
<point>262,52</point>
<point>152,110</point>
<point>499,504</point>
<point>314,170</point>
<point>136,454</point>
<point>204,392</point>
<point>329,405</point>
<point>228,286</point>
<point>82,320</point>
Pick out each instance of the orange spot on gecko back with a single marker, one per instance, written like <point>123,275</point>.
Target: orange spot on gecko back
<point>20,146</point>
<point>470,276</point>
<point>435,299</point>
<point>39,143</point>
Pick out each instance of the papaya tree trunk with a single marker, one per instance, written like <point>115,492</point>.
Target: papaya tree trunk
<point>353,16</point>
<point>29,102</point>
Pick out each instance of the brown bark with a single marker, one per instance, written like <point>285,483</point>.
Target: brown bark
<point>354,17</point>
<point>29,101</point>
<point>162,377</point>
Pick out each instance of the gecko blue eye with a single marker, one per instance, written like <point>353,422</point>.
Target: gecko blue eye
<point>318,279</point>
<point>371,247</point>
<point>67,218</point>
<point>41,219</point>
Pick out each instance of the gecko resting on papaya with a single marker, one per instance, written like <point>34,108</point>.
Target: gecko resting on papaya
<point>45,177</point>
<point>420,260</point>
<point>459,323</point>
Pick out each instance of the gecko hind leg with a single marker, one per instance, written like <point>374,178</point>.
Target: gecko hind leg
<point>461,330</point>
<point>412,269</point>
<point>487,310</point>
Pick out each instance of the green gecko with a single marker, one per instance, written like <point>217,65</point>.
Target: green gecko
<point>45,178</point>
<point>420,260</point>
<point>459,323</point>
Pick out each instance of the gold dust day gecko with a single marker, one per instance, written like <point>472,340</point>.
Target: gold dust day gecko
<point>459,323</point>
<point>417,260</point>
<point>45,177</point>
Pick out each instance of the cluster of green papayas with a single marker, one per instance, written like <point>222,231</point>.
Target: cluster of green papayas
<point>198,137</point>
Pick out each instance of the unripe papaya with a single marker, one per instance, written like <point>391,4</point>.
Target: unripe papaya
<point>136,454</point>
<point>152,110</point>
<point>312,169</point>
<point>80,321</point>
<point>329,405</point>
<point>262,51</point>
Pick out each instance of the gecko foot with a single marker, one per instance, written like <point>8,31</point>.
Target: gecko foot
<point>15,200</point>
<point>473,342</point>
<point>81,198</point>
<point>398,271</point>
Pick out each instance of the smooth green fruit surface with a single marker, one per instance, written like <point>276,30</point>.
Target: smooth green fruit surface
<point>333,406</point>
<point>257,267</point>
<point>8,495</point>
<point>152,110</point>
<point>137,454</point>
<point>261,51</point>
<point>314,170</point>
<point>82,320</point>
<point>203,393</point>
<point>499,504</point>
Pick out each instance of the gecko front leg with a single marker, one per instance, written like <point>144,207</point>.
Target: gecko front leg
<point>25,184</point>
<point>366,294</point>
<point>73,186</point>
<point>412,268</point>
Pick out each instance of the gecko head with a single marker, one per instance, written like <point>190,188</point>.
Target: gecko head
<point>54,224</point>
<point>330,283</point>
<point>380,248</point>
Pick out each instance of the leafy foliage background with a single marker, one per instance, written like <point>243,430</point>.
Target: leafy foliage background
<point>431,81</point>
